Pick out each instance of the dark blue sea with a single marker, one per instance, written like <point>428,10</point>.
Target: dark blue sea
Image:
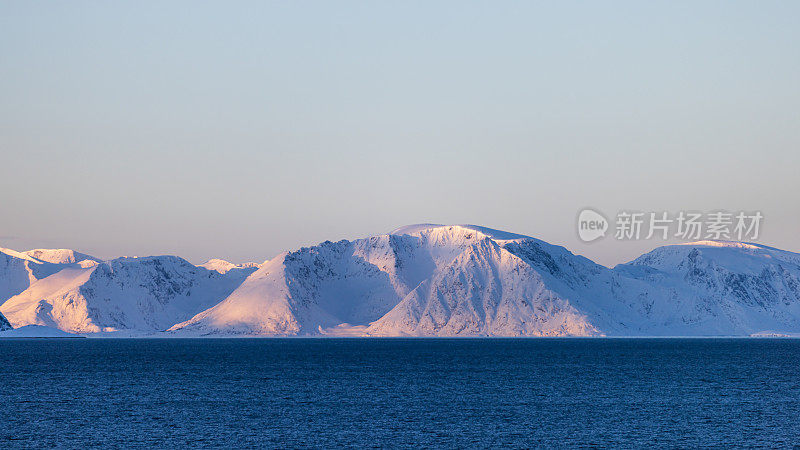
<point>79,393</point>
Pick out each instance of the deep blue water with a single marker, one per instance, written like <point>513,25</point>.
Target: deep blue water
<point>399,392</point>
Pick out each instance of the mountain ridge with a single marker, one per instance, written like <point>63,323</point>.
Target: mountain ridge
<point>418,280</point>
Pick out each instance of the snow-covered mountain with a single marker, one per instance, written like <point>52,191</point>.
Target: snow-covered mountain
<point>19,270</point>
<point>717,288</point>
<point>420,280</point>
<point>494,283</point>
<point>311,289</point>
<point>138,295</point>
<point>222,266</point>
<point>61,256</point>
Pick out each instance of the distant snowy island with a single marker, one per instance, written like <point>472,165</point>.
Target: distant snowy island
<point>420,280</point>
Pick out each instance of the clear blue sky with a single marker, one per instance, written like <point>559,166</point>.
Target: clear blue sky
<point>242,129</point>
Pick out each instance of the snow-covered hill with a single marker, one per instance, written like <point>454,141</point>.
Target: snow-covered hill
<point>134,294</point>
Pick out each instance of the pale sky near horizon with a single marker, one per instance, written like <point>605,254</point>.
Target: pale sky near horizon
<point>242,129</point>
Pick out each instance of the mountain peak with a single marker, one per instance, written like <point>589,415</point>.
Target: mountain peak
<point>222,266</point>
<point>18,255</point>
<point>491,233</point>
<point>60,255</point>
<point>219,265</point>
<point>728,244</point>
<point>721,251</point>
